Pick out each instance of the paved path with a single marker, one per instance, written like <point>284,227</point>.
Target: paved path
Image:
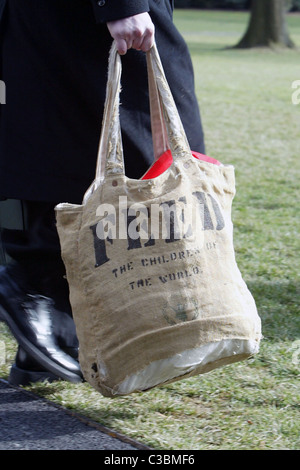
<point>28,422</point>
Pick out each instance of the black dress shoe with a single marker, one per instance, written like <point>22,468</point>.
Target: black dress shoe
<point>30,319</point>
<point>26,370</point>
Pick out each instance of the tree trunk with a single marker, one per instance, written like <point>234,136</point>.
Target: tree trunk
<point>267,26</point>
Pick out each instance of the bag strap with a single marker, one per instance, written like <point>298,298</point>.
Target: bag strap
<point>158,127</point>
<point>166,124</point>
<point>110,153</point>
<point>167,129</point>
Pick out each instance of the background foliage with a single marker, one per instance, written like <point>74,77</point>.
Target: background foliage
<point>250,121</point>
<point>292,5</point>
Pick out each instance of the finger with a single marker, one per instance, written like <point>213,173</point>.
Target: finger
<point>129,42</point>
<point>137,43</point>
<point>121,46</point>
<point>147,43</point>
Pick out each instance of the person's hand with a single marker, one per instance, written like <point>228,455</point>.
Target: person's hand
<point>136,32</point>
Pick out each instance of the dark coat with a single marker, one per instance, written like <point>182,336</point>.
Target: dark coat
<point>54,57</point>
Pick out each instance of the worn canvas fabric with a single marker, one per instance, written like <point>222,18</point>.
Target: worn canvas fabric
<point>154,285</point>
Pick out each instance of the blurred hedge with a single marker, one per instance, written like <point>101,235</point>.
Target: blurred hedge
<point>230,4</point>
<point>292,5</point>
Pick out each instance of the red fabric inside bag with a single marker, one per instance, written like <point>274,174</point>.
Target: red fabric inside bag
<point>166,160</point>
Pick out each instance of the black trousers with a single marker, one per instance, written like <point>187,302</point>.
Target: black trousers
<point>53,60</point>
<point>35,251</point>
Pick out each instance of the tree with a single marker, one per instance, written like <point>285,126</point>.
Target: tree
<point>267,26</point>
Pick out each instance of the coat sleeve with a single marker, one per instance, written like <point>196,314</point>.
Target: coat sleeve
<point>110,10</point>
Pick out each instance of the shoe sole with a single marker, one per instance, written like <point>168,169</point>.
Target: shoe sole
<point>23,377</point>
<point>36,354</point>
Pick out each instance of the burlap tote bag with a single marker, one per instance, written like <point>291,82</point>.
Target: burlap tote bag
<point>154,286</point>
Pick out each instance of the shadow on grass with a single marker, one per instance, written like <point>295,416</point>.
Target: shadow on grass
<point>278,307</point>
<point>85,404</point>
<point>202,48</point>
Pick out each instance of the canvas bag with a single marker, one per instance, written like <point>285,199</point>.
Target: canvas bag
<point>149,310</point>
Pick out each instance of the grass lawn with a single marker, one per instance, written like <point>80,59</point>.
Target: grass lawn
<point>245,98</point>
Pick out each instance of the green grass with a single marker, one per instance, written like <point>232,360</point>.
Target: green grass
<point>250,122</point>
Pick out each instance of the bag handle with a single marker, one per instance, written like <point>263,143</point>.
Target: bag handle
<point>158,127</point>
<point>167,128</point>
<point>110,153</point>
